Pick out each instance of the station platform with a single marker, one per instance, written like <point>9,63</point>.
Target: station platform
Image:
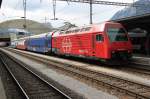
<point>2,91</point>
<point>74,85</point>
<point>141,60</point>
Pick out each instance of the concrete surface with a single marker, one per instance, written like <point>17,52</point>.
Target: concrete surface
<point>141,60</point>
<point>111,71</point>
<point>73,84</point>
<point>2,91</point>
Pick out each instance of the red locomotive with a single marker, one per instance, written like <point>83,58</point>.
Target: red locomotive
<point>105,41</point>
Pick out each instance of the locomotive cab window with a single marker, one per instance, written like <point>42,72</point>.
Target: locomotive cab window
<point>117,34</point>
<point>99,37</point>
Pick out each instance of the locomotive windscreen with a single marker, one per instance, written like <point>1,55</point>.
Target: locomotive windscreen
<point>117,34</point>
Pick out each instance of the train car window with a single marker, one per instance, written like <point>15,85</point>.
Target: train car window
<point>99,37</point>
<point>21,33</point>
<point>117,34</point>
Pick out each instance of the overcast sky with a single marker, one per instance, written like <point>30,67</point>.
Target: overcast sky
<point>76,13</point>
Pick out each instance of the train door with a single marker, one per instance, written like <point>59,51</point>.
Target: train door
<point>99,45</point>
<point>48,43</point>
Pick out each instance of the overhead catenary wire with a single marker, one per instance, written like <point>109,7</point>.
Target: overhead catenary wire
<point>13,12</point>
<point>91,2</point>
<point>94,13</point>
<point>85,16</point>
<point>106,2</point>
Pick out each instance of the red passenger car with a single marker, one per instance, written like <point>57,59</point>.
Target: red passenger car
<point>21,43</point>
<point>106,41</point>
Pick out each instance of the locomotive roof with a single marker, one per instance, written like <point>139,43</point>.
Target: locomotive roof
<point>23,38</point>
<point>84,29</point>
<point>35,36</point>
<point>41,35</point>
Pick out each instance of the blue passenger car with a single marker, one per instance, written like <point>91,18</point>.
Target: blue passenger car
<point>40,43</point>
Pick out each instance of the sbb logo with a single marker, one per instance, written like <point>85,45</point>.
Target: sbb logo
<point>66,45</point>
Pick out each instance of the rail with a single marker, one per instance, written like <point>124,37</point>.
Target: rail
<point>31,85</point>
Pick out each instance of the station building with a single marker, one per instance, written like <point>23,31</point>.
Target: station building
<point>7,35</point>
<point>136,19</point>
<point>13,29</point>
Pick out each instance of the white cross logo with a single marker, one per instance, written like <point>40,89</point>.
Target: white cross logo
<point>66,45</point>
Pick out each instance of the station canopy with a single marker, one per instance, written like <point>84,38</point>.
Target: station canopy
<point>142,8</point>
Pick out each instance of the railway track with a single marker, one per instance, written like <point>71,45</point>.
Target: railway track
<point>122,86</point>
<point>11,89</point>
<point>29,83</point>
